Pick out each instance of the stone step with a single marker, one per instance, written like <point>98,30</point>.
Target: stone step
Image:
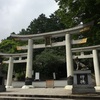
<point>27,98</point>
<point>19,96</point>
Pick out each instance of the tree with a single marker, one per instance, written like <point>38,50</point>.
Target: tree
<point>43,24</point>
<point>8,46</point>
<point>23,32</point>
<point>72,12</point>
<point>48,62</point>
<point>38,25</point>
<point>76,11</point>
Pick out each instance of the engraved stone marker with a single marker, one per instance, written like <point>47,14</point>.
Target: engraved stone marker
<point>82,82</point>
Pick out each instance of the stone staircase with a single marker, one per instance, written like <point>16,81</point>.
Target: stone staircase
<point>31,97</point>
<point>27,98</point>
<point>48,97</point>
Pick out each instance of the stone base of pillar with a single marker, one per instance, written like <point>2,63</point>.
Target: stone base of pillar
<point>83,89</point>
<point>28,81</point>
<point>70,80</point>
<point>97,88</point>
<point>27,86</point>
<point>9,87</point>
<point>68,87</point>
<point>82,82</point>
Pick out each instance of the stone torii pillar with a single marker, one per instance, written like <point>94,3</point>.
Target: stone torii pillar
<point>28,78</point>
<point>10,73</point>
<point>96,67</point>
<point>69,58</point>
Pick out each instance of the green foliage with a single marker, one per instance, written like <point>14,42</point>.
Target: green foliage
<point>8,46</point>
<point>43,24</point>
<point>48,62</point>
<point>38,25</point>
<point>72,12</point>
<point>94,36</point>
<point>20,76</point>
<point>23,32</point>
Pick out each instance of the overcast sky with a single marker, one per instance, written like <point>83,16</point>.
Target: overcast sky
<point>17,14</point>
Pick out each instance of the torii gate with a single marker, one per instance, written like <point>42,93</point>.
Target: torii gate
<point>11,62</point>
<point>48,36</point>
<point>93,55</point>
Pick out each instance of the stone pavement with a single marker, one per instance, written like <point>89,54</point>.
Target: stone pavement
<point>44,94</point>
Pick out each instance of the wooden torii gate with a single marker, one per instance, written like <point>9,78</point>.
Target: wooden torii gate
<point>47,36</point>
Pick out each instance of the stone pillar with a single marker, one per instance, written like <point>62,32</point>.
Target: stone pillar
<point>69,59</point>
<point>10,73</point>
<point>28,80</point>
<point>96,67</point>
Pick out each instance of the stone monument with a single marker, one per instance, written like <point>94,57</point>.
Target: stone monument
<point>82,82</point>
<point>2,84</point>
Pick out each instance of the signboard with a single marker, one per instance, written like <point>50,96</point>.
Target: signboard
<point>84,40</point>
<point>48,40</point>
<point>37,76</point>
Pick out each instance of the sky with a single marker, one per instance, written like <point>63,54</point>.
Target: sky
<point>17,14</point>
